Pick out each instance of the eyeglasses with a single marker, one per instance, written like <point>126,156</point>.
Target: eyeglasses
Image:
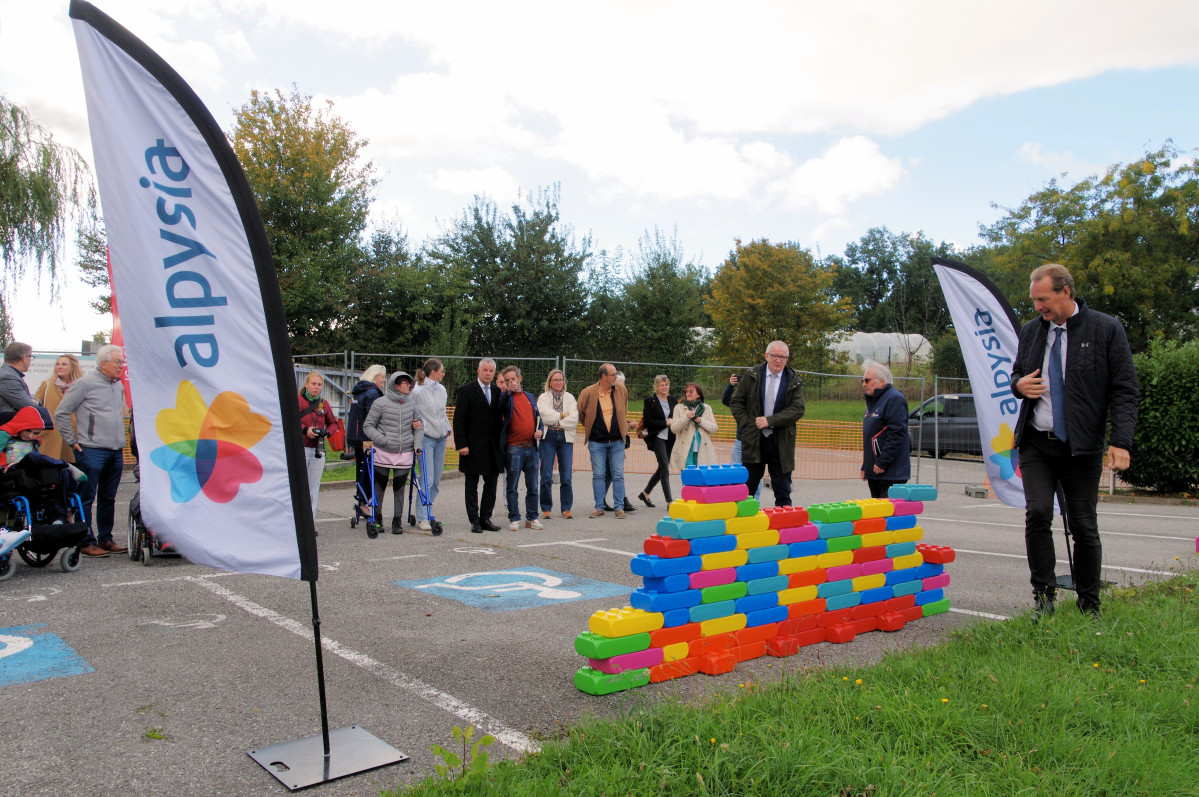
<point>779,356</point>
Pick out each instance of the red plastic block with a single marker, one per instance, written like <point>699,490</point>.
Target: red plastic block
<point>899,604</point>
<point>912,613</point>
<point>666,547</point>
<point>754,650</point>
<point>785,517</point>
<point>758,633</point>
<point>874,554</point>
<point>836,617</point>
<point>807,578</point>
<point>841,634</point>
<point>717,663</point>
<point>888,621</point>
<point>680,633</point>
<point>805,608</point>
<point>673,669</point>
<point>864,625</point>
<point>937,554</point>
<point>862,610</point>
<point>798,624</point>
<point>869,525</point>
<point>711,644</point>
<point>783,646</point>
<point>813,637</point>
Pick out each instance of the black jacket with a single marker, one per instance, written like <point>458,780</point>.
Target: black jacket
<point>885,430</point>
<point>362,397</point>
<point>655,422</point>
<point>477,427</point>
<point>1100,377</point>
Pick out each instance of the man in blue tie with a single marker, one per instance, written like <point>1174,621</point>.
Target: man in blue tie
<point>1073,369</point>
<point>477,424</point>
<point>767,402</point>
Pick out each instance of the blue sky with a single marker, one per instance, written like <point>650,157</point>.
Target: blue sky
<point>787,120</point>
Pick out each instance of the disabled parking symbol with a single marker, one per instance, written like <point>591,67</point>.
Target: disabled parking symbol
<point>31,653</point>
<point>518,588</point>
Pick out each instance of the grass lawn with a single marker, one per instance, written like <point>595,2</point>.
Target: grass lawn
<point>1064,707</point>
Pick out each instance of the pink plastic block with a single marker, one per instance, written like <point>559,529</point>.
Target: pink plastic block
<point>628,661</point>
<point>805,533</point>
<point>877,566</point>
<point>715,494</point>
<point>842,572</point>
<point>713,578</point>
<point>908,507</point>
<point>935,582</point>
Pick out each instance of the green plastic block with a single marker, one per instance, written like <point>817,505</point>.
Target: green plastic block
<point>850,543</point>
<point>724,592</point>
<point>748,508</point>
<point>835,512</point>
<point>936,607</point>
<point>594,682</point>
<point>594,646</point>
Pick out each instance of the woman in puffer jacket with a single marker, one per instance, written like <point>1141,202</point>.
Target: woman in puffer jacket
<point>394,428</point>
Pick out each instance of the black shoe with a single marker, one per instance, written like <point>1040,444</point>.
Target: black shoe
<point>608,508</point>
<point>1043,607</point>
<point>1089,611</point>
<point>628,505</point>
<point>397,525</point>
<point>645,500</point>
<point>487,524</point>
<point>475,528</point>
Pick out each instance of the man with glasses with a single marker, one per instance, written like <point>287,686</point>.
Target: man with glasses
<point>98,437</point>
<point>14,392</point>
<point>886,447</point>
<point>766,404</point>
<point>603,411</point>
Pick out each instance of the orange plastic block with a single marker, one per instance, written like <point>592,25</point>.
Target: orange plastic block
<point>666,547</point>
<point>717,663</point>
<point>623,622</point>
<point>676,652</point>
<point>798,565</point>
<point>898,604</point>
<point>682,633</point>
<point>694,511</point>
<point>836,617</point>
<point>868,610</point>
<point>841,633</point>
<point>712,644</point>
<point>797,595</point>
<point>887,621</point>
<point>747,525</point>
<point>673,669</point>
<point>864,625</point>
<point>871,525</point>
<point>757,539</point>
<point>754,650</point>
<point>783,645</point>
<point>798,624</point>
<point>806,608</point>
<point>807,578</point>
<point>937,554</point>
<point>914,534</point>
<point>869,554</point>
<point>759,633</point>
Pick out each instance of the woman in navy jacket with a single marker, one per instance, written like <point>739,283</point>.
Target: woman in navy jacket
<point>886,447</point>
<point>655,412</point>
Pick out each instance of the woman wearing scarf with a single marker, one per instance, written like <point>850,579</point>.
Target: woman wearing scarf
<point>316,416</point>
<point>693,425</point>
<point>66,371</point>
<point>560,414</point>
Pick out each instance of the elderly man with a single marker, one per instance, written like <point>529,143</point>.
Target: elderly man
<point>477,439</point>
<point>14,392</point>
<point>98,438</point>
<point>603,409</point>
<point>766,404</point>
<point>1073,369</point>
<point>886,447</point>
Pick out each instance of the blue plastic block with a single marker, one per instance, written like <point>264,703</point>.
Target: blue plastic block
<point>710,475</point>
<point>929,596</point>
<point>721,544</point>
<point>664,601</point>
<point>845,601</point>
<point>771,553</point>
<point>756,603</point>
<point>759,586</point>
<point>710,611</point>
<point>896,522</point>
<point>675,583</point>
<point>657,567</point>
<point>901,576</point>
<point>689,529</point>
<point>676,617</point>
<point>906,588</point>
<point>799,550</point>
<point>842,529</point>
<point>759,570</point>
<point>877,594</point>
<point>928,570</point>
<point>831,588</point>
<point>900,549</point>
<point>913,492</point>
<point>766,616</point>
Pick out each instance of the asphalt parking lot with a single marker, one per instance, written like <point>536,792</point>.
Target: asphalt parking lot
<point>157,680</point>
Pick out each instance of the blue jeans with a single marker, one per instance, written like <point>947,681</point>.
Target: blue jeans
<point>553,445</point>
<point>736,460</point>
<point>434,465</point>
<point>521,460</point>
<point>607,458</point>
<point>103,468</point>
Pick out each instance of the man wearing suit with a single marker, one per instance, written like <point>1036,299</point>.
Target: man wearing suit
<point>477,438</point>
<point>1073,368</point>
<point>766,404</point>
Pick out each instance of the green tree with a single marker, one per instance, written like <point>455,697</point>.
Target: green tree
<point>665,303</point>
<point>606,319</point>
<point>91,258</point>
<point>766,291</point>
<point>1130,238</point>
<point>1165,446</point>
<point>314,191</point>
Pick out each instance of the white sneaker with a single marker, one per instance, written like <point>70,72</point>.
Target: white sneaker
<point>514,526</point>
<point>424,526</point>
<point>11,539</point>
<point>535,525</point>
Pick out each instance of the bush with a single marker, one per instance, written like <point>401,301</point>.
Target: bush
<point>1165,449</point>
<point>947,357</point>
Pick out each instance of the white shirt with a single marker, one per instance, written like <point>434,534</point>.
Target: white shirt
<point>1042,413</point>
<point>772,392</point>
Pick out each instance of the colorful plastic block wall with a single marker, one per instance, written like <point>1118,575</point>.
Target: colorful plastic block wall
<point>726,581</point>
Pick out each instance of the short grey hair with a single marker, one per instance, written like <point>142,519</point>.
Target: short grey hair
<point>486,360</point>
<point>372,371</point>
<point>880,371</point>
<point>512,369</point>
<point>107,351</point>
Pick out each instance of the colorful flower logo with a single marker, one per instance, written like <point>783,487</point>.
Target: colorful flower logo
<point>1005,456</point>
<point>207,448</point>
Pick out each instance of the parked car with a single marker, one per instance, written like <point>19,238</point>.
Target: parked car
<point>945,424</point>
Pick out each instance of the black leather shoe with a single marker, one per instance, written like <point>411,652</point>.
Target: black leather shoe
<point>487,524</point>
<point>475,528</point>
<point>645,500</point>
<point>397,525</point>
<point>628,505</point>
<point>607,507</point>
<point>1043,606</point>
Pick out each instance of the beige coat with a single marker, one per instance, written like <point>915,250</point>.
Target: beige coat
<point>52,442</point>
<point>568,419</point>
<point>684,429</point>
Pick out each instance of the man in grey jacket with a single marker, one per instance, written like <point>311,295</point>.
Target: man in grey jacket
<point>98,437</point>
<point>14,392</point>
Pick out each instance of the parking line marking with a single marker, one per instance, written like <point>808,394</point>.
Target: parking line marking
<point>480,719</point>
<point>166,579</point>
<point>1064,562</point>
<point>393,558</point>
<point>1021,525</point>
<point>987,615</point>
<point>579,544</point>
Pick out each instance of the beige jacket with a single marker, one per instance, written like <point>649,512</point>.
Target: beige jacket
<point>685,429</point>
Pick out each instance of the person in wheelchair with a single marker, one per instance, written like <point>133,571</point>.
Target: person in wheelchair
<point>33,474</point>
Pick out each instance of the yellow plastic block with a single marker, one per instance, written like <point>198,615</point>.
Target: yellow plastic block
<point>797,595</point>
<point>862,583</point>
<point>695,511</point>
<point>914,534</point>
<point>722,625</point>
<point>623,622</point>
<point>758,539</point>
<point>875,507</point>
<point>834,559</point>
<point>877,539</point>
<point>716,561</point>
<point>911,560</point>
<point>747,525</point>
<point>798,565</point>
<point>675,652</point>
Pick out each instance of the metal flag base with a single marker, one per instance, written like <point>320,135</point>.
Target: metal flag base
<point>301,763</point>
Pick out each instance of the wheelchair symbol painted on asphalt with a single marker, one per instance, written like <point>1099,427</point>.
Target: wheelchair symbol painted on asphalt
<point>519,588</point>
<point>14,644</point>
<point>31,653</point>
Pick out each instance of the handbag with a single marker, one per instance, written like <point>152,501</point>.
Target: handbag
<point>337,435</point>
<point>642,432</point>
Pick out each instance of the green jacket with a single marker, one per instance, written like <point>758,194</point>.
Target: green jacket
<point>747,405</point>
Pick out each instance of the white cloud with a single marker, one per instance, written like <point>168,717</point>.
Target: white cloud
<point>494,182</point>
<point>1057,163</point>
<point>852,168</point>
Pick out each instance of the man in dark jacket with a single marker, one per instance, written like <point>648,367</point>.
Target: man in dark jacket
<point>1073,366</point>
<point>886,447</point>
<point>477,439</point>
<point>766,405</point>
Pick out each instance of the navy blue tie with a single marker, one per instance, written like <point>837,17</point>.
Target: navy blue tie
<point>1057,386</point>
